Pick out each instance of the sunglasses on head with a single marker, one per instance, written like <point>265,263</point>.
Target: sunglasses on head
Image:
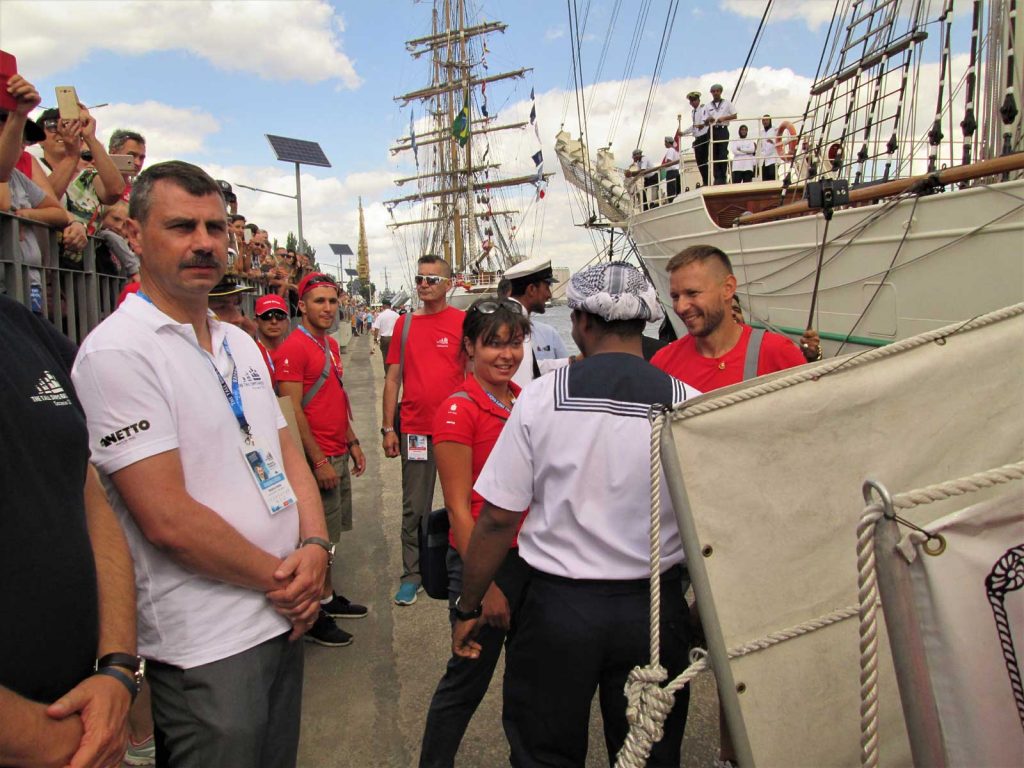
<point>273,314</point>
<point>490,307</point>
<point>428,279</point>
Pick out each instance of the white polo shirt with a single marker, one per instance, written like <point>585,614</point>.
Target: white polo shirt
<point>723,108</point>
<point>148,387</point>
<point>577,451</point>
<point>385,323</point>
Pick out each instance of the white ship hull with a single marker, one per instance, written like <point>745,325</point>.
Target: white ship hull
<point>939,259</point>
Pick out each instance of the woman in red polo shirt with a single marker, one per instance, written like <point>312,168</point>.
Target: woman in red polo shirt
<point>466,428</point>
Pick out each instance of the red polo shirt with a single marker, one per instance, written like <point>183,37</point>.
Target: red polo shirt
<point>476,422</point>
<point>433,366</point>
<point>682,360</point>
<point>301,358</point>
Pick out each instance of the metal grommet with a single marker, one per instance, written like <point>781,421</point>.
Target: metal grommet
<point>707,550</point>
<point>741,687</point>
<point>935,545</point>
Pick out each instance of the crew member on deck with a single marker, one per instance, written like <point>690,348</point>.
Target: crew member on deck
<point>769,152</point>
<point>744,151</point>
<point>700,132</point>
<point>672,172</point>
<point>719,112</point>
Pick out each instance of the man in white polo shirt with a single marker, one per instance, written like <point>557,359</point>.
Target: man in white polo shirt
<point>221,513</point>
<point>576,452</point>
<point>383,326</point>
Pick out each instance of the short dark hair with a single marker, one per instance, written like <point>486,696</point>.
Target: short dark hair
<point>431,258</point>
<point>236,217</point>
<point>701,253</point>
<point>504,288</point>
<point>120,136</point>
<point>188,177</point>
<point>624,329</point>
<point>481,326</point>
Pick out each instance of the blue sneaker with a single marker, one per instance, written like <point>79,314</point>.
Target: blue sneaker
<point>406,594</point>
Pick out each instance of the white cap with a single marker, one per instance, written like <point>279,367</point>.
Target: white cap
<point>537,266</point>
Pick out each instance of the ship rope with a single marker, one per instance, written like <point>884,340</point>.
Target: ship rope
<point>577,71</point>
<point>867,578</point>
<point>659,63</point>
<point>627,73</point>
<point>754,45</point>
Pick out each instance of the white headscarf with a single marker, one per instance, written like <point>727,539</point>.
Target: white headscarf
<point>614,291</point>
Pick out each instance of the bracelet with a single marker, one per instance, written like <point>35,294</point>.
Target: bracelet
<point>318,464</point>
<point>122,678</point>
<point>126,660</point>
<point>353,442</point>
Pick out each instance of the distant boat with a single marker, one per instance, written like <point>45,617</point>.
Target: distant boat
<point>461,212</point>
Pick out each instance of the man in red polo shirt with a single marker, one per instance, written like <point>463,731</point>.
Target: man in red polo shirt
<point>272,326</point>
<point>430,370</point>
<point>717,351</point>
<point>307,368</point>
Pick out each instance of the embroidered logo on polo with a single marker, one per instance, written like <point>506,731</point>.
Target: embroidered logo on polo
<point>124,434</point>
<point>49,390</point>
<point>566,402</point>
<point>442,343</point>
<point>252,378</point>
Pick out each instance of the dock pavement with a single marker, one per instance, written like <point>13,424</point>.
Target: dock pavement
<point>364,705</point>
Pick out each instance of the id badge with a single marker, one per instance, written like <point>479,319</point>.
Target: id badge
<point>265,470</point>
<point>416,448</point>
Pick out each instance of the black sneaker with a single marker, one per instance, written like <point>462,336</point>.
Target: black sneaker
<point>341,607</point>
<point>325,632</point>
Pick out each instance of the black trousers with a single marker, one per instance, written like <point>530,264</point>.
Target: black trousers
<point>700,152</point>
<point>768,172</point>
<point>720,151</point>
<point>738,177</point>
<point>575,637</point>
<point>671,183</point>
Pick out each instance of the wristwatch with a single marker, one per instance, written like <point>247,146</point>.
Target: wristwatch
<point>462,615</point>
<point>385,430</point>
<point>112,664</point>
<point>328,547</point>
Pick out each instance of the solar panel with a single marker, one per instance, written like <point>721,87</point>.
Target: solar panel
<point>351,272</point>
<point>341,249</point>
<point>298,151</point>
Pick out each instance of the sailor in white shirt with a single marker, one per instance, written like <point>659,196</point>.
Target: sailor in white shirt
<point>641,165</point>
<point>530,286</point>
<point>720,112</point>
<point>700,132</point>
<point>744,152</point>
<point>769,152</point>
<point>672,172</point>
<point>383,326</point>
<point>576,453</point>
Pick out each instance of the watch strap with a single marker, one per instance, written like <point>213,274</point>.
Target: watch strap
<point>324,543</point>
<point>462,615</point>
<point>126,660</point>
<point>127,681</point>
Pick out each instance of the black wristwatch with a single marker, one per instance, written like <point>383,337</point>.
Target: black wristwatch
<point>462,615</point>
<point>324,543</point>
<point>112,664</point>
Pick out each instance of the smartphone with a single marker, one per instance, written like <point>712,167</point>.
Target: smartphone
<point>124,163</point>
<point>8,67</point>
<point>67,102</point>
<point>247,235</point>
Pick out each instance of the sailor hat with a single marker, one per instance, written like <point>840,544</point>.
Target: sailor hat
<point>532,270</point>
<point>228,287</point>
<point>693,95</point>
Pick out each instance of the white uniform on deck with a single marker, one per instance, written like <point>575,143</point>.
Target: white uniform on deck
<point>743,154</point>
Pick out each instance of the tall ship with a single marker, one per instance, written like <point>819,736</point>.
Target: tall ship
<point>469,199</point>
<point>898,206</point>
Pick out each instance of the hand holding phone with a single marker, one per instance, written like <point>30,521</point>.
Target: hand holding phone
<point>67,102</point>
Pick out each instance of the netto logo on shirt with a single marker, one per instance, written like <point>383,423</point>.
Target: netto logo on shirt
<point>124,433</point>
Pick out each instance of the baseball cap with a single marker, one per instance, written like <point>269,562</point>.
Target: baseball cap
<point>270,302</point>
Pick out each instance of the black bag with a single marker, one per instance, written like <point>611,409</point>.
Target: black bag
<point>433,554</point>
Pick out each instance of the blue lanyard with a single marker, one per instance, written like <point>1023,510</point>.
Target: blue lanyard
<point>326,349</point>
<point>234,393</point>
<point>497,402</point>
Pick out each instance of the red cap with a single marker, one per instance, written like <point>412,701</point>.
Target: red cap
<point>315,280</point>
<point>269,302</point>
<point>129,288</point>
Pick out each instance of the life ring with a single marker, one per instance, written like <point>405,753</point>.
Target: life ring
<point>786,148</point>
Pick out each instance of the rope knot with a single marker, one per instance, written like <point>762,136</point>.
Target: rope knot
<point>647,706</point>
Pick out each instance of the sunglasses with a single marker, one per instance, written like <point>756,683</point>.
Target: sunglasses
<point>490,307</point>
<point>50,125</point>
<point>428,279</point>
<point>273,314</point>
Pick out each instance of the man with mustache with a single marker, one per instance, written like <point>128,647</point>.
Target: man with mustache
<point>221,513</point>
<point>718,350</point>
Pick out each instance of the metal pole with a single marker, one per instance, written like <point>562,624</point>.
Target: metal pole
<point>298,203</point>
<point>907,648</point>
<point>727,693</point>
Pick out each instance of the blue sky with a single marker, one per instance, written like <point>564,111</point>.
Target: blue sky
<point>206,80</point>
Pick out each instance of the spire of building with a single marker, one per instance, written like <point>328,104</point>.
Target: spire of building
<point>363,251</point>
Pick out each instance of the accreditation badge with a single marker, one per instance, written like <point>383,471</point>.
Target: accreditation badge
<point>416,447</point>
<point>274,487</point>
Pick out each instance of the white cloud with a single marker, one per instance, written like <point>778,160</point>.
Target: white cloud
<point>814,13</point>
<point>554,33</point>
<point>297,40</point>
<point>171,132</point>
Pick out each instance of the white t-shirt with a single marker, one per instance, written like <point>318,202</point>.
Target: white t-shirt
<point>671,155</point>
<point>769,152</point>
<point>148,387</point>
<point>385,323</point>
<point>576,452</point>
<point>743,151</point>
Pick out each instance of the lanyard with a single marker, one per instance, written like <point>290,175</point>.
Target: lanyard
<point>325,348</point>
<point>497,402</point>
<point>266,355</point>
<point>232,394</point>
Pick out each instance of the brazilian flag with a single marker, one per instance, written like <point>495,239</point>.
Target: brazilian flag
<point>460,128</point>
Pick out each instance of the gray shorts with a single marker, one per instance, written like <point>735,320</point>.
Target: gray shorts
<point>338,501</point>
